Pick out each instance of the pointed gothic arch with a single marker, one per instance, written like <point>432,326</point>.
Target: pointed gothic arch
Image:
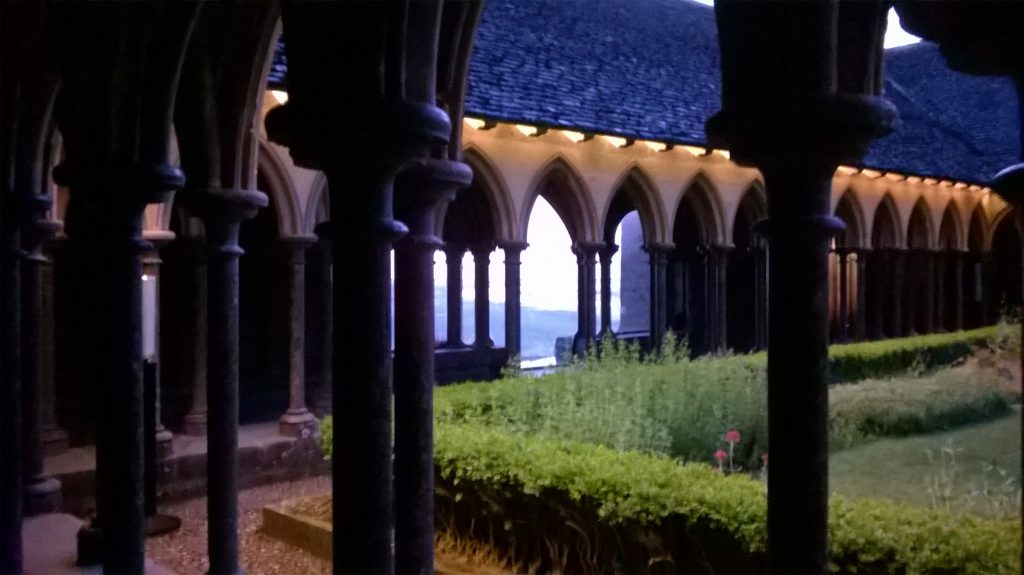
<point>920,232</point>
<point>851,212</point>
<point>634,190</point>
<point>279,187</point>
<point>562,186</point>
<point>885,226</point>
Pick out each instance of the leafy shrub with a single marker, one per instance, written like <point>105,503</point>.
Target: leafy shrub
<point>557,506</point>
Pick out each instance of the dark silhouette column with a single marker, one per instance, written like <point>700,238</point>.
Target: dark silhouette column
<point>42,493</point>
<point>658,255</point>
<point>105,219</point>
<point>298,421</point>
<point>844,295</point>
<point>196,418</point>
<point>151,269</point>
<point>717,265</point>
<point>513,308</point>
<point>419,192</point>
<point>325,301</point>
<point>928,291</point>
<point>897,266</point>
<point>860,323</point>
<point>941,297</point>
<point>586,253</point>
<point>605,254</point>
<point>958,291</point>
<point>453,254</point>
<point>761,297</point>
<point>482,295</point>
<point>223,211</point>
<point>11,493</point>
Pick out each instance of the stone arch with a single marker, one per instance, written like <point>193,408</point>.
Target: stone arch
<point>635,190</point>
<point>950,230</point>
<point>700,204</point>
<point>562,187</point>
<point>994,224</point>
<point>885,227</point>
<point>977,231</point>
<point>488,178</point>
<point>851,212</point>
<point>318,204</point>
<point>746,275</point>
<point>280,189</point>
<point>920,232</point>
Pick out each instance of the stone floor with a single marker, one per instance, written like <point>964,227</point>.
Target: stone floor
<point>50,542</point>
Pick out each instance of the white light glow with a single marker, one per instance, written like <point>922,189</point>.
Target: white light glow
<point>871,174</point>
<point>694,150</point>
<point>575,137</point>
<point>846,170</point>
<point>280,95</point>
<point>475,123</point>
<point>657,146</point>
<point>894,176</point>
<point>527,130</point>
<point>616,141</point>
<point>724,153</point>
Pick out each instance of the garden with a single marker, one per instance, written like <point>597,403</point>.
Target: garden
<point>624,464</point>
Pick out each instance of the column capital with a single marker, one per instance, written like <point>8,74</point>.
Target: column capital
<point>607,251</point>
<point>146,183</point>
<point>482,250</point>
<point>223,205</point>
<point>584,247</point>
<point>512,245</point>
<point>455,249</point>
<point>323,230</point>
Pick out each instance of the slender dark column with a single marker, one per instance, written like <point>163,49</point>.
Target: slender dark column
<point>196,418</point>
<point>419,192</point>
<point>11,500</point>
<point>223,211</point>
<point>844,295</point>
<point>860,323</point>
<point>513,309</point>
<point>989,312</point>
<point>363,231</point>
<point>941,298</point>
<point>482,295</point>
<point>761,298</point>
<point>897,263</point>
<point>928,291</point>
<point>55,439</point>
<point>151,263</point>
<point>453,258</point>
<point>677,271</point>
<point>605,254</point>
<point>42,493</point>
<point>958,291</point>
<point>325,302</point>
<point>298,421</point>
<point>105,218</point>
<point>586,253</point>
<point>718,257</point>
<point>878,283</point>
<point>799,230</point>
<point>659,314</point>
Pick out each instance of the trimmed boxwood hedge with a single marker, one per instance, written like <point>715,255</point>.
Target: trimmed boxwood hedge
<point>553,506</point>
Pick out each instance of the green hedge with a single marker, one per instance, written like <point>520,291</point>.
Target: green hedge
<point>578,508</point>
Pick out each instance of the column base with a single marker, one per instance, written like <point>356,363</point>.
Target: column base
<point>195,424</point>
<point>90,545</point>
<point>164,446</point>
<point>43,496</point>
<point>297,423</point>
<point>55,441</point>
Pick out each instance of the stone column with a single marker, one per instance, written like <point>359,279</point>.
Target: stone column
<point>298,421</point>
<point>11,475</point>
<point>196,418</point>
<point>325,303</point>
<point>659,313</point>
<point>860,325</point>
<point>105,220</point>
<point>482,295</point>
<point>419,192</point>
<point>897,261</point>
<point>42,493</point>
<point>761,299</point>
<point>718,256</point>
<point>151,268</point>
<point>844,294</point>
<point>605,254</point>
<point>223,211</point>
<point>941,298</point>
<point>55,439</point>
<point>958,290</point>
<point>513,310</point>
<point>586,253</point>
<point>453,254</point>
<point>928,291</point>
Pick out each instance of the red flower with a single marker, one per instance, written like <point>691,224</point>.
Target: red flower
<point>721,455</point>
<point>732,436</point>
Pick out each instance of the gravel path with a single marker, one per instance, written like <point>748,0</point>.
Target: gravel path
<point>184,551</point>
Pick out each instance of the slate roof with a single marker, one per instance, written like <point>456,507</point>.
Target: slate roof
<point>649,69</point>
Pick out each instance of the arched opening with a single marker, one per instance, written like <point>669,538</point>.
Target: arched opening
<point>976,268</point>
<point>693,292</point>
<point>746,278</point>
<point>847,275</point>
<point>949,296</point>
<point>920,265</point>
<point>884,274</point>
<point>1006,269</point>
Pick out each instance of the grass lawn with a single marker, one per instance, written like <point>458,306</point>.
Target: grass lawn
<point>898,469</point>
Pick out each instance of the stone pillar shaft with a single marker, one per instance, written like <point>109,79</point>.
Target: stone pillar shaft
<point>605,255</point>
<point>196,418</point>
<point>860,323</point>
<point>482,296</point>
<point>513,310</point>
<point>325,303</point>
<point>718,290</point>
<point>453,260</point>
<point>420,191</point>
<point>55,439</point>
<point>844,295</point>
<point>298,421</point>
<point>958,291</point>
<point>761,298</point>
<point>897,263</point>
<point>11,500</point>
<point>151,268</point>
<point>799,230</point>
<point>928,295</point>
<point>586,311</point>
<point>659,313</point>
<point>941,295</point>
